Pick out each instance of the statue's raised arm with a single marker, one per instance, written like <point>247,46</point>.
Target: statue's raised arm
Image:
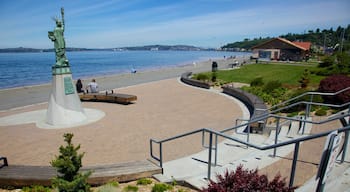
<point>62,14</point>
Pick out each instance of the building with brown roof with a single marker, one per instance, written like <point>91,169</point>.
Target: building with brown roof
<point>282,49</point>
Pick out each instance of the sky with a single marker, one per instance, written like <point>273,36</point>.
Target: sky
<point>202,23</point>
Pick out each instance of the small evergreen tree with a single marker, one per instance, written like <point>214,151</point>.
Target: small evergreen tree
<point>305,79</point>
<point>68,163</point>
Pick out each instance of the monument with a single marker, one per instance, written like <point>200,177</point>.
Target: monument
<point>64,104</point>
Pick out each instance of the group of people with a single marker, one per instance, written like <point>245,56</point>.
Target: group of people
<point>92,86</point>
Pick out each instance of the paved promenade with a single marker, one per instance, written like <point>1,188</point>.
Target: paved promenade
<point>163,109</point>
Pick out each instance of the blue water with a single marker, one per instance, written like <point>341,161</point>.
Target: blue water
<point>23,69</point>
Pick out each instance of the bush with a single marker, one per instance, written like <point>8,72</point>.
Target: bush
<point>36,188</point>
<point>257,82</point>
<point>201,77</point>
<point>68,164</point>
<point>321,112</point>
<point>272,85</point>
<point>333,84</point>
<point>246,180</point>
<point>327,61</point>
<point>161,187</point>
<point>144,181</point>
<point>131,188</point>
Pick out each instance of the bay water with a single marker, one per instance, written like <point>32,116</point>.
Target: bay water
<point>25,69</point>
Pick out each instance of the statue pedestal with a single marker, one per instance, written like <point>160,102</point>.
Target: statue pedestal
<point>64,104</point>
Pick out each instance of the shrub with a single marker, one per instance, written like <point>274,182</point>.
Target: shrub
<point>161,187</point>
<point>201,77</point>
<point>131,188</point>
<point>36,188</point>
<point>213,76</point>
<point>257,82</point>
<point>68,164</point>
<point>113,183</point>
<point>321,112</point>
<point>272,85</point>
<point>327,61</point>
<point>333,84</point>
<point>246,180</point>
<point>144,181</point>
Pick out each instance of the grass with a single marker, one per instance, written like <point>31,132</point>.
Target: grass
<point>285,73</point>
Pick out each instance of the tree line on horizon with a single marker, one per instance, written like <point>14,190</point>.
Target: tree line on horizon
<point>328,38</point>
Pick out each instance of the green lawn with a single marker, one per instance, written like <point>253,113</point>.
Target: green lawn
<point>286,74</point>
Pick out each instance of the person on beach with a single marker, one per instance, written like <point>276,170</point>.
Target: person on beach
<point>93,86</point>
<point>79,86</point>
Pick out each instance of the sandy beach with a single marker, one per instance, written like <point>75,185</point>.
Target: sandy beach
<point>23,96</point>
<point>165,107</point>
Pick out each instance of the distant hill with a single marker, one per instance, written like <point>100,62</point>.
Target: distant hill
<point>165,48</point>
<point>319,38</point>
<point>136,48</point>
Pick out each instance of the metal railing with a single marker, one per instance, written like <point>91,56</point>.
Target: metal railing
<point>297,141</point>
<point>303,121</point>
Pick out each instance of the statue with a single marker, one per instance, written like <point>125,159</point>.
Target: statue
<point>57,37</point>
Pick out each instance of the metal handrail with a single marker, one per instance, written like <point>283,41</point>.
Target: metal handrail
<point>310,93</point>
<point>265,117</point>
<point>273,146</point>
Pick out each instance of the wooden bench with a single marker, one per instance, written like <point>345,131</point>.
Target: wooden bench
<point>23,175</point>
<point>108,97</point>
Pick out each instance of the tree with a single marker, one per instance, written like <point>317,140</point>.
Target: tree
<point>333,84</point>
<point>68,163</point>
<point>305,79</point>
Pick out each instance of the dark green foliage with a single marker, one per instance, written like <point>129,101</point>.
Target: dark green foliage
<point>36,188</point>
<point>257,82</point>
<point>333,84</point>
<point>327,61</point>
<point>246,43</point>
<point>161,187</point>
<point>320,112</point>
<point>305,79</point>
<point>318,38</point>
<point>201,77</point>
<point>213,76</point>
<point>338,63</point>
<point>247,180</point>
<point>68,163</point>
<point>144,181</point>
<point>272,85</point>
<point>130,188</point>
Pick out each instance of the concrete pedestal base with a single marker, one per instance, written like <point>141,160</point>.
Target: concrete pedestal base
<point>64,104</point>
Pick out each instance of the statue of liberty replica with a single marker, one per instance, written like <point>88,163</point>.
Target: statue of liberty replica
<point>64,104</point>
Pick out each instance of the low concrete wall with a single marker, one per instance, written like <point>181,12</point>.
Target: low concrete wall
<point>185,77</point>
<point>254,104</point>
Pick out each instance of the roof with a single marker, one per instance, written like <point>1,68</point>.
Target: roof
<point>300,45</point>
<point>305,45</point>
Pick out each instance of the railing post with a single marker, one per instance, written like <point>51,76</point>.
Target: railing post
<point>276,136</point>
<point>216,150</point>
<point>294,164</point>
<point>160,155</point>
<point>209,157</point>
<point>248,132</point>
<point>346,140</point>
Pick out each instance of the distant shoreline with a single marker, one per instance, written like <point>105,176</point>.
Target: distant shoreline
<point>135,48</point>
